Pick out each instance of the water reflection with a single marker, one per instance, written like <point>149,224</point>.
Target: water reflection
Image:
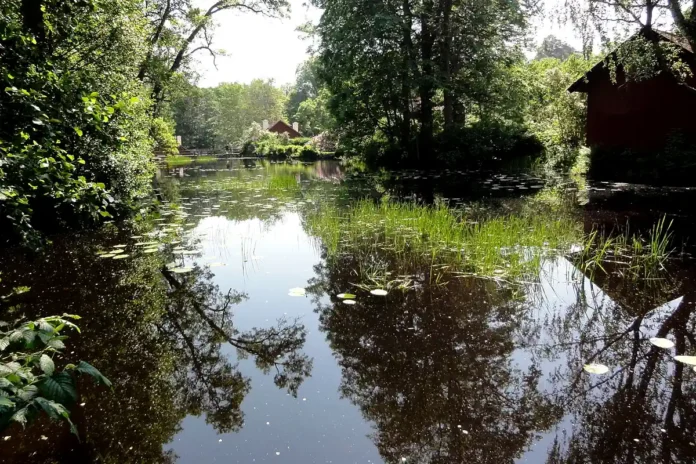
<point>159,337</point>
<point>644,409</point>
<point>447,368</point>
<point>432,367</point>
<point>473,370</point>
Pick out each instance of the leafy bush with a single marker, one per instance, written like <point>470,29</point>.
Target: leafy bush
<point>30,382</point>
<point>487,141</point>
<point>74,144</point>
<point>163,135</point>
<point>280,146</point>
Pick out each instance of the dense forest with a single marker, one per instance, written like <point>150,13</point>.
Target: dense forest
<point>94,86</point>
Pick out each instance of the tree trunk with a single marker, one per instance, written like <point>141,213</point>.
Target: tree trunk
<point>155,40</point>
<point>33,18</point>
<point>407,47</point>
<point>426,81</point>
<point>446,65</point>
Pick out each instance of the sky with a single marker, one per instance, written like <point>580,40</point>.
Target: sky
<point>259,47</point>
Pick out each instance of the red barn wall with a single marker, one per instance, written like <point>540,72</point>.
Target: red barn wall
<point>637,115</point>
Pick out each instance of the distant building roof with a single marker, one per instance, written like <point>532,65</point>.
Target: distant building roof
<point>281,127</point>
<point>651,34</point>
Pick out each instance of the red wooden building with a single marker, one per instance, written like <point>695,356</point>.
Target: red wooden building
<point>282,127</point>
<point>638,115</point>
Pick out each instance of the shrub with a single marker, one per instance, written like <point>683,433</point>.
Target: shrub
<point>30,382</point>
<point>75,143</point>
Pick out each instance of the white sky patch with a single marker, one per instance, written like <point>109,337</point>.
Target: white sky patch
<point>257,47</point>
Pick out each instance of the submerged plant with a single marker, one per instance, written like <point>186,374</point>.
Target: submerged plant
<point>30,382</point>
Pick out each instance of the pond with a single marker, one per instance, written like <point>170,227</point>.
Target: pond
<point>297,313</point>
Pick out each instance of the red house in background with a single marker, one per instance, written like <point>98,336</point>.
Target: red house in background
<point>638,115</point>
<point>282,127</point>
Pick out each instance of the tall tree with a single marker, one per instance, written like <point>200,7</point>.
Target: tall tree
<point>389,64</point>
<point>180,29</point>
<point>553,47</point>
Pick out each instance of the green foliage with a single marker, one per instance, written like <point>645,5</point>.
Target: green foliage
<point>308,101</point>
<point>389,65</point>
<point>76,147</point>
<point>163,135</point>
<point>29,379</point>
<point>280,146</point>
<point>218,117</point>
<point>180,29</point>
<point>553,47</point>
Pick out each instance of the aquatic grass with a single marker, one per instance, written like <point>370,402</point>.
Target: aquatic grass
<point>503,246</point>
<point>633,254</point>
<point>175,161</point>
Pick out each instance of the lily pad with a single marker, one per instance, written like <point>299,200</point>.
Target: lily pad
<point>298,291</point>
<point>346,296</point>
<point>691,360</point>
<point>596,368</point>
<point>379,292</point>
<point>181,270</point>
<point>150,250</point>
<point>121,256</point>
<point>662,342</point>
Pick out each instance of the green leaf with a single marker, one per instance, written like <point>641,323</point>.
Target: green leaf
<point>56,344</point>
<point>20,416</point>
<point>134,100</point>
<point>78,131</point>
<point>5,402</point>
<point>54,410</point>
<point>4,343</point>
<point>47,364</point>
<point>45,326</point>
<point>28,392</point>
<point>92,371</point>
<point>59,388</point>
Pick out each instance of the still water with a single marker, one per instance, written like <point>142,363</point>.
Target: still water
<point>226,340</point>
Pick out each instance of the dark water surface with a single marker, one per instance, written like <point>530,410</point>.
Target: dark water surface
<point>223,362</point>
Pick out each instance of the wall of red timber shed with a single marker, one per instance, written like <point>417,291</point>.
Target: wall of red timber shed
<point>638,115</point>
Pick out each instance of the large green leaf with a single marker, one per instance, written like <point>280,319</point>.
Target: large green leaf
<point>53,409</point>
<point>20,416</point>
<point>90,370</point>
<point>59,388</point>
<point>5,401</point>
<point>28,392</point>
<point>47,364</point>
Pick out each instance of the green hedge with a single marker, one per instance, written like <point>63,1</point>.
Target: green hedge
<point>294,150</point>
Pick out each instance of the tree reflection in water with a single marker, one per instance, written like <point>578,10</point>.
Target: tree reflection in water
<point>644,410</point>
<point>473,370</point>
<point>433,367</point>
<point>160,338</point>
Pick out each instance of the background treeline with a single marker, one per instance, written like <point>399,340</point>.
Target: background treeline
<point>231,113</point>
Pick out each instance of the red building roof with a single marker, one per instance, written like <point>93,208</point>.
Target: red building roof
<point>282,127</point>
